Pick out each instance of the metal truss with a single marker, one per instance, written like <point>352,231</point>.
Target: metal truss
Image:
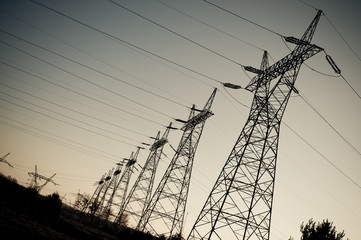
<point>165,212</point>
<point>140,194</point>
<point>240,203</point>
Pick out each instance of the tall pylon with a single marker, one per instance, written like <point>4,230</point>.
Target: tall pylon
<point>240,203</point>
<point>122,187</point>
<point>36,177</point>
<point>165,212</point>
<point>140,194</point>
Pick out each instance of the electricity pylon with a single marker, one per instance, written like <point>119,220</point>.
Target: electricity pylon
<point>122,187</point>
<point>112,186</point>
<point>2,159</point>
<point>140,194</point>
<point>240,203</point>
<point>93,204</point>
<point>35,184</point>
<point>167,206</point>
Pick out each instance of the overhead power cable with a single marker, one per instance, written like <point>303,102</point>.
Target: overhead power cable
<point>72,110</point>
<point>338,32</point>
<point>215,28</point>
<point>92,56</point>
<point>74,125</point>
<point>243,18</point>
<point>84,79</point>
<point>175,33</point>
<point>307,4</point>
<point>68,88</point>
<point>98,71</point>
<point>319,153</point>
<point>79,93</point>
<point>330,125</point>
<point>353,89</point>
<point>71,145</point>
<point>126,42</point>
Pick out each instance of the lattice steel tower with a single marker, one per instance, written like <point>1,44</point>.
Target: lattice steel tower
<point>92,206</point>
<point>122,186</point>
<point>109,194</point>
<point>167,206</point>
<point>36,177</point>
<point>141,192</point>
<point>240,203</point>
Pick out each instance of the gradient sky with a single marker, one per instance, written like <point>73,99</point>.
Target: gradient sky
<point>71,120</point>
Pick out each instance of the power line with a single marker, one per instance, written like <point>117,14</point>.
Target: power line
<point>215,28</point>
<point>308,4</point>
<point>68,89</point>
<point>319,153</point>
<point>329,124</point>
<point>91,56</point>
<point>338,32</point>
<point>91,68</point>
<point>126,42</point>
<point>71,145</point>
<point>72,110</point>
<point>81,94</point>
<point>175,33</point>
<point>353,89</point>
<point>74,125</point>
<point>243,18</point>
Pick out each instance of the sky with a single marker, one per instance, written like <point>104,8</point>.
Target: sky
<point>80,93</point>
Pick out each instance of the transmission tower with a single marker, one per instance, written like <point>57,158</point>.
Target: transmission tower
<point>140,194</point>
<point>122,187</point>
<point>93,204</point>
<point>2,159</point>
<point>240,203</point>
<point>105,212</point>
<point>167,206</point>
<point>36,178</point>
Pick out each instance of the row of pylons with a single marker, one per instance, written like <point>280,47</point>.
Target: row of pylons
<point>143,209</point>
<point>240,203</point>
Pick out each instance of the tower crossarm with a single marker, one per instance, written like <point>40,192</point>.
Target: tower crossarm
<point>201,117</point>
<point>285,64</point>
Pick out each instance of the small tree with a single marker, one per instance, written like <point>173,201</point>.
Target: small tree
<point>320,231</point>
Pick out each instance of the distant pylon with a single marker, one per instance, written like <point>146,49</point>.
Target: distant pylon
<point>240,203</point>
<point>93,204</point>
<point>140,194</point>
<point>104,192</point>
<point>35,184</point>
<point>165,212</point>
<point>108,200</point>
<point>2,159</point>
<point>122,187</point>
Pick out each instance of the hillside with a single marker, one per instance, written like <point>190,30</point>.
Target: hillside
<point>24,214</point>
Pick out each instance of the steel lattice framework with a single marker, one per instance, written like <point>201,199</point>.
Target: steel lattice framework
<point>97,190</point>
<point>121,188</point>
<point>92,205</point>
<point>167,206</point>
<point>36,177</point>
<point>240,203</point>
<point>140,194</point>
<point>108,193</point>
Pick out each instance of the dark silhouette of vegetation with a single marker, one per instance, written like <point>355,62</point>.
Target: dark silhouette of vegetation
<point>25,214</point>
<point>320,231</point>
